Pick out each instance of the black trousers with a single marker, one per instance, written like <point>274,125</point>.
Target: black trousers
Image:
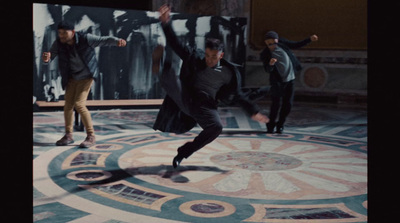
<point>282,95</point>
<point>202,108</point>
<point>204,111</point>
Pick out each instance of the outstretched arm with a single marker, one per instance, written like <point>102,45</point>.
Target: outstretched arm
<point>172,40</point>
<point>251,108</point>
<point>298,44</point>
<point>95,41</point>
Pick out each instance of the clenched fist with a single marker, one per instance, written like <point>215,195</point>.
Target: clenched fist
<point>314,38</point>
<point>121,43</point>
<point>272,61</point>
<point>46,57</point>
<point>164,11</point>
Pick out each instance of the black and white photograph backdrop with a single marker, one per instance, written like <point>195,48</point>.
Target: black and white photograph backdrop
<point>126,72</point>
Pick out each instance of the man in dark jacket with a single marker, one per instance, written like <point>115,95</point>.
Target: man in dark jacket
<point>78,67</point>
<point>281,64</point>
<point>192,96</point>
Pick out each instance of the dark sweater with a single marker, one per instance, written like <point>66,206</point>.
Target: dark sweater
<point>170,118</point>
<point>210,80</point>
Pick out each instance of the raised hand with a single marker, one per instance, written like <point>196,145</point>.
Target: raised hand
<point>164,11</point>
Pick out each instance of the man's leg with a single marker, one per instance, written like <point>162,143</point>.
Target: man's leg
<point>275,105</point>
<point>81,94</point>
<point>68,114</point>
<point>210,121</point>
<point>276,94</point>
<point>287,102</point>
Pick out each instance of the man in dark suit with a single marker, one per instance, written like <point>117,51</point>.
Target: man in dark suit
<point>192,97</point>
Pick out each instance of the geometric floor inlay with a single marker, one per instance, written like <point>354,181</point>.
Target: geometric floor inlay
<point>315,173</point>
<point>268,173</point>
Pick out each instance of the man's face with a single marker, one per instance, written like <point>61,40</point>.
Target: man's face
<point>66,36</point>
<point>213,57</point>
<point>271,44</point>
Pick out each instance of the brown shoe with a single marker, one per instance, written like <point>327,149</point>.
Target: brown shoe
<point>89,141</point>
<point>156,58</point>
<point>65,140</point>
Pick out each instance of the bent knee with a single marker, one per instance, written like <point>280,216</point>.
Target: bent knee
<point>218,127</point>
<point>80,107</point>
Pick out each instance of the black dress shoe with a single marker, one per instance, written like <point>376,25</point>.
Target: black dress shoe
<point>279,129</point>
<point>177,161</point>
<point>270,128</point>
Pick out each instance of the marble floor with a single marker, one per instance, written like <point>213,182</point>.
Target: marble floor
<point>316,171</point>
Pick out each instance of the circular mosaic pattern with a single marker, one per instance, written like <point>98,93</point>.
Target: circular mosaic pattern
<point>314,77</point>
<point>89,175</point>
<point>259,161</point>
<point>207,208</point>
<point>253,171</point>
<point>293,167</point>
<point>106,147</point>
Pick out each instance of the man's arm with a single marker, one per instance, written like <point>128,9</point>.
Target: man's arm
<point>266,59</point>
<point>298,44</point>
<point>98,41</point>
<point>172,40</point>
<point>250,107</point>
<point>49,56</point>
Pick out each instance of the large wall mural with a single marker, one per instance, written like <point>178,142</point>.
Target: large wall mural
<point>125,73</point>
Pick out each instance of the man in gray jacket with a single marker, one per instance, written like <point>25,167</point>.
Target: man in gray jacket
<point>280,62</point>
<point>78,67</point>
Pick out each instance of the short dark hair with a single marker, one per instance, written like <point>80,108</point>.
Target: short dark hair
<point>214,44</point>
<point>65,25</point>
<point>271,35</point>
